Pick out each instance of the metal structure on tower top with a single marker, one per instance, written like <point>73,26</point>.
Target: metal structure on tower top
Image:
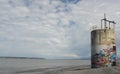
<point>105,20</point>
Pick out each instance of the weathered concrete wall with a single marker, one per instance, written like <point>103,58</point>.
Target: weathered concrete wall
<point>103,47</point>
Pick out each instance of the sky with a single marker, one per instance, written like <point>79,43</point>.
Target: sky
<point>53,29</point>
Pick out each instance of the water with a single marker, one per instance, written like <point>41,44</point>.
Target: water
<point>36,66</point>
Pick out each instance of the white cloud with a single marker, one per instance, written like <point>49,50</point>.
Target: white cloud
<point>20,10</point>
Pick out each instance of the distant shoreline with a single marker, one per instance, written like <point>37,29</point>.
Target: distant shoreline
<point>7,57</point>
<point>21,58</point>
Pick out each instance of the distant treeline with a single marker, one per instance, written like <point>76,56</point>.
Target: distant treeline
<point>22,57</point>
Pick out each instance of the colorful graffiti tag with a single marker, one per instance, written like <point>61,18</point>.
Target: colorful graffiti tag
<point>105,57</point>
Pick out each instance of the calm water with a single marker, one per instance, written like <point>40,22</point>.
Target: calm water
<point>10,66</point>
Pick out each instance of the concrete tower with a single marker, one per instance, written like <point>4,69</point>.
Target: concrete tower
<point>103,44</point>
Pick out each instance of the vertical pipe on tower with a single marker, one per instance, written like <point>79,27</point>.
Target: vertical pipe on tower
<point>101,23</point>
<point>109,25</point>
<point>105,20</point>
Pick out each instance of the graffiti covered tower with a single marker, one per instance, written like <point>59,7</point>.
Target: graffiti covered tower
<point>103,45</point>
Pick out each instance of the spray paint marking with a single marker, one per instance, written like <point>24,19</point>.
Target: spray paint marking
<point>105,57</point>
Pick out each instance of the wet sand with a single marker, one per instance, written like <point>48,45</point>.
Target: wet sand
<point>75,70</point>
<point>104,70</point>
<point>55,70</point>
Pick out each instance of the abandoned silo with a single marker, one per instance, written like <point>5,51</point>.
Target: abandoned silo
<point>103,45</point>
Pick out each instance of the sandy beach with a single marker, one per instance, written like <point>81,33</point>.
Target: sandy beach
<point>104,70</point>
<point>87,70</point>
<point>76,70</point>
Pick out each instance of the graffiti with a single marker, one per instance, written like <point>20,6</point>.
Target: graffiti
<point>105,57</point>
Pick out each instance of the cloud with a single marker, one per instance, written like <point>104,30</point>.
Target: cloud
<point>70,1</point>
<point>52,28</point>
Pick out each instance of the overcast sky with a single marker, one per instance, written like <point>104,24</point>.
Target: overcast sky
<point>52,29</point>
